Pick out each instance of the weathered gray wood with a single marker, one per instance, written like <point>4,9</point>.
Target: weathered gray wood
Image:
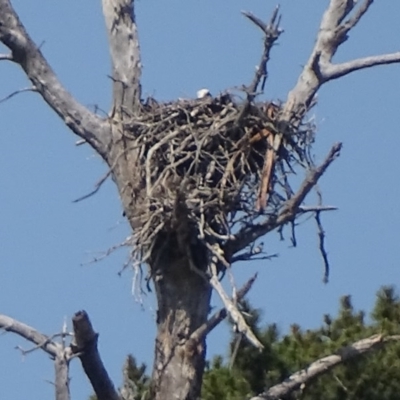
<point>56,351</point>
<point>125,55</point>
<point>183,294</point>
<point>28,55</point>
<point>85,347</point>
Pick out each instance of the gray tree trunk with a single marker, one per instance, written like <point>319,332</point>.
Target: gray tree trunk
<point>178,262</point>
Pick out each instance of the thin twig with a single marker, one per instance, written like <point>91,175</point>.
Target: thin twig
<point>11,95</point>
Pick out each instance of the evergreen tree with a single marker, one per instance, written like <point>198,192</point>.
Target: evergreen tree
<point>371,377</point>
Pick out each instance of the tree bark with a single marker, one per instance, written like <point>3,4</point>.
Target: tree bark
<point>85,346</point>
<point>183,305</point>
<point>177,263</point>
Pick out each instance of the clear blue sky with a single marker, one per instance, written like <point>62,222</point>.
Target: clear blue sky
<point>186,45</point>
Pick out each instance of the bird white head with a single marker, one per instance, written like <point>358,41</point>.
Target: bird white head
<point>203,93</point>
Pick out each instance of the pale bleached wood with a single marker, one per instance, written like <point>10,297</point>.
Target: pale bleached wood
<point>59,353</point>
<point>125,55</point>
<point>339,18</point>
<point>28,55</point>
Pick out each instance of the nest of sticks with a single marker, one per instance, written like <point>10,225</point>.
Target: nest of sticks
<point>207,167</point>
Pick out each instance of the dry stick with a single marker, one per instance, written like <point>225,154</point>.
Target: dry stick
<point>27,54</point>
<point>44,342</point>
<point>234,313</point>
<point>267,172</point>
<point>290,210</point>
<point>6,57</point>
<point>150,153</point>
<point>272,32</point>
<point>230,306</point>
<point>8,97</point>
<point>60,355</point>
<point>48,340</point>
<point>85,347</point>
<point>324,365</point>
<point>201,332</point>
<point>321,237</point>
<point>101,181</point>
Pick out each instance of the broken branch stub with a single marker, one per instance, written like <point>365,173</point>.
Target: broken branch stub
<point>85,347</point>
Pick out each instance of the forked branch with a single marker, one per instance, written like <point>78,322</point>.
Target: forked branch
<point>60,354</point>
<point>221,314</point>
<point>324,365</point>
<point>289,211</point>
<point>25,53</point>
<point>272,31</point>
<point>339,18</point>
<point>32,335</point>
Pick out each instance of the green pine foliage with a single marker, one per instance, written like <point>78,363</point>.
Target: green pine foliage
<point>247,371</point>
<point>375,376</point>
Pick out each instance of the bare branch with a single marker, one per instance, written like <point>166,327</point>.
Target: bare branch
<point>85,347</point>
<point>334,71</point>
<point>27,332</point>
<point>11,95</point>
<point>97,187</point>
<point>125,54</point>
<point>24,52</point>
<point>59,353</point>
<point>319,68</point>
<point>324,365</point>
<point>6,57</point>
<point>221,314</point>
<point>234,313</point>
<point>322,250</point>
<point>320,208</point>
<point>61,366</point>
<point>272,32</point>
<point>353,21</point>
<point>290,210</point>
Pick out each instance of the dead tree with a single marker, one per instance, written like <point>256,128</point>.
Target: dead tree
<point>200,180</point>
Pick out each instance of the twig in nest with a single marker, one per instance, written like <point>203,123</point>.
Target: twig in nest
<point>288,210</point>
<point>126,242</point>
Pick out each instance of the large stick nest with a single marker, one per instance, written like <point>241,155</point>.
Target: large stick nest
<point>200,164</point>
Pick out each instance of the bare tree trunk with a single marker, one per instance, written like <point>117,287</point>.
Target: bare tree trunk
<point>183,306</point>
<point>179,264</point>
<point>177,267</point>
